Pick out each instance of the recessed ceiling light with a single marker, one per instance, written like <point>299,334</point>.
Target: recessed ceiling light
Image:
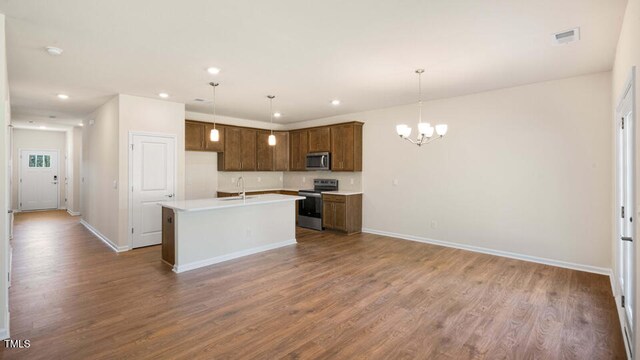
<point>80,124</point>
<point>63,96</point>
<point>277,114</point>
<point>54,51</point>
<point>213,70</point>
<point>43,127</point>
<point>335,102</point>
<point>163,95</point>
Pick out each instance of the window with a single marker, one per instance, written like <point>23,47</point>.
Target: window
<point>39,161</point>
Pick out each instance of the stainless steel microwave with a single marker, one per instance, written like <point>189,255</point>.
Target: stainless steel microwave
<point>318,161</point>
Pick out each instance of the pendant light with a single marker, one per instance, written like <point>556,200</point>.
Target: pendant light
<point>425,130</point>
<point>272,138</point>
<point>214,135</point>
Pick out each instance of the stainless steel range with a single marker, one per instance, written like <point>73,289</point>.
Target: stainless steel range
<point>310,209</point>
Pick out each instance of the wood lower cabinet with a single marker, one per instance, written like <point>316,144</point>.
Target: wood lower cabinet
<point>168,236</point>
<point>346,147</point>
<point>319,139</point>
<point>342,213</point>
<point>193,136</point>
<point>298,148</point>
<point>239,150</point>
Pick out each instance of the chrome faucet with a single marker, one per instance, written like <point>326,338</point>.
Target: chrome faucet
<point>243,194</point>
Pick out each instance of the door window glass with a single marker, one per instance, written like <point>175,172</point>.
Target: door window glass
<point>47,161</point>
<point>32,161</point>
<point>39,160</point>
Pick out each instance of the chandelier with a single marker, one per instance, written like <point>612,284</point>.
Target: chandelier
<point>425,130</point>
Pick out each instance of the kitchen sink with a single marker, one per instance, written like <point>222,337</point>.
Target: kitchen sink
<point>235,198</point>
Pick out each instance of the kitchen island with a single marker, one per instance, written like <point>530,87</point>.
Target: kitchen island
<point>197,233</point>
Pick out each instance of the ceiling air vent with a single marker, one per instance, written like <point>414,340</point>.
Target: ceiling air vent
<point>200,100</point>
<point>566,37</point>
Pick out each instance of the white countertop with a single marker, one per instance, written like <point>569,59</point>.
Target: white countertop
<point>222,203</point>
<point>235,190</point>
<point>344,193</point>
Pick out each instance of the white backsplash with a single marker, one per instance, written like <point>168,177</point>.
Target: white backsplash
<point>253,180</point>
<point>347,181</point>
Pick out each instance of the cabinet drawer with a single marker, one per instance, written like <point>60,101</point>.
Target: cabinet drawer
<point>334,198</point>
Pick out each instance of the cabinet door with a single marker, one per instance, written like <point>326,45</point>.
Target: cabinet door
<point>232,149</point>
<point>216,146</point>
<point>328,214</point>
<point>340,216</point>
<point>264,152</point>
<point>298,145</point>
<point>281,152</point>
<point>342,147</point>
<point>319,140</point>
<point>193,136</point>
<point>248,145</point>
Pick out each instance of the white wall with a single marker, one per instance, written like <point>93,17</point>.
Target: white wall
<point>201,175</point>
<point>627,56</point>
<point>5,194</point>
<point>74,205</point>
<point>100,170</point>
<point>40,140</point>
<point>523,170</point>
<point>139,114</point>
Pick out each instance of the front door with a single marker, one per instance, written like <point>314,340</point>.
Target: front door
<point>152,178</point>
<point>625,185</point>
<point>39,180</point>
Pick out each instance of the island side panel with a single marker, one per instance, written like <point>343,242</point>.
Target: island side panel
<point>212,236</point>
<point>168,236</point>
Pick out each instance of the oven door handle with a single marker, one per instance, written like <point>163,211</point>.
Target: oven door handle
<point>315,195</point>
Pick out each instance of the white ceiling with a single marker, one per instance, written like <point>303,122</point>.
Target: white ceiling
<point>307,53</point>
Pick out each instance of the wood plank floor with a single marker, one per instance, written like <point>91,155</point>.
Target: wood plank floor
<point>328,297</point>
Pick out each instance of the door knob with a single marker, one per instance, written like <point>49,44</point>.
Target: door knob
<point>626,238</point>
<point>169,196</point>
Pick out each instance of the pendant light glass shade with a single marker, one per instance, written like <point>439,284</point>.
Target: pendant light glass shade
<point>272,138</point>
<point>441,129</point>
<point>214,135</point>
<point>403,130</point>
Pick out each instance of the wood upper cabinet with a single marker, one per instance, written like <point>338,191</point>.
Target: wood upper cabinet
<point>239,150</point>
<point>281,151</point>
<point>264,152</point>
<point>346,147</point>
<point>342,212</point>
<point>193,136</point>
<point>319,139</point>
<point>196,137</point>
<point>217,146</point>
<point>298,147</point>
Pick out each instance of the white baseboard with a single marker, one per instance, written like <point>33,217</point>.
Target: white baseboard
<point>104,239</point>
<point>4,334</point>
<point>235,255</point>
<point>73,213</point>
<point>535,259</point>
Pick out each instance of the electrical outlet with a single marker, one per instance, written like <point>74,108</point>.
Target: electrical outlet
<point>395,182</point>
<point>434,224</point>
<point>115,184</point>
<point>233,180</point>
<point>351,181</point>
<point>259,179</point>
<point>304,179</point>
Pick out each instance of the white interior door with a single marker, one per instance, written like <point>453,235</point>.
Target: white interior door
<point>626,193</point>
<point>152,180</point>
<point>39,180</point>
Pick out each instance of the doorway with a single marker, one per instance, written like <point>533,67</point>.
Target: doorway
<point>38,185</point>
<point>152,178</point>
<point>625,184</point>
